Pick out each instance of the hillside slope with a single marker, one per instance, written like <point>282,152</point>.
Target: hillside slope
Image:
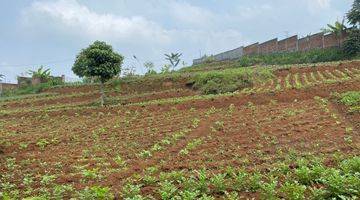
<point>285,137</point>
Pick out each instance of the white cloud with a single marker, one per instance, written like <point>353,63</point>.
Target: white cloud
<point>79,18</point>
<point>248,12</point>
<point>315,6</point>
<point>147,36</point>
<point>190,14</point>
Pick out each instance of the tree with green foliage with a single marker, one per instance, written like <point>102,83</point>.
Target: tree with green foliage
<point>40,73</point>
<point>174,59</point>
<point>338,29</point>
<point>99,61</point>
<point>1,77</point>
<point>353,15</point>
<point>352,43</point>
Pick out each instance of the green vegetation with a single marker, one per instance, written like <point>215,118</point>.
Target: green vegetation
<point>31,89</point>
<point>229,80</point>
<point>351,99</point>
<point>352,43</point>
<point>353,15</point>
<point>174,59</point>
<point>313,56</point>
<point>40,73</point>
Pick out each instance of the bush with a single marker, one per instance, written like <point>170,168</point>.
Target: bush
<point>230,80</point>
<point>313,56</point>
<point>352,43</point>
<point>351,98</point>
<point>293,190</point>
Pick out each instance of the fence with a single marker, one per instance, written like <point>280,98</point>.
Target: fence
<point>291,44</point>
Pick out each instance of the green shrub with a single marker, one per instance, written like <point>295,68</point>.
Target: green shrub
<point>351,98</point>
<point>339,185</point>
<point>96,192</point>
<point>230,80</point>
<point>32,89</point>
<point>352,43</point>
<point>293,190</point>
<point>351,165</point>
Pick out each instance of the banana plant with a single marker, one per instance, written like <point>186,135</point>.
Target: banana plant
<point>174,59</point>
<point>40,73</point>
<point>338,29</point>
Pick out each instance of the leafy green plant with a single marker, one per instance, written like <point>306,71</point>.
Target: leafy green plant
<point>240,180</point>
<point>174,59</point>
<point>90,173</point>
<point>268,190</point>
<point>40,73</point>
<point>131,191</point>
<point>202,184</point>
<point>96,192</point>
<point>219,182</point>
<point>189,195</point>
<point>42,143</point>
<point>340,185</point>
<point>339,29</point>
<point>351,165</point>
<point>119,161</point>
<point>47,179</point>
<point>145,154</point>
<point>253,182</point>
<point>293,190</point>
<point>167,190</point>
<point>351,98</point>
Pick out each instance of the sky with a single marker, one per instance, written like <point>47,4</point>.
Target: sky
<point>53,32</point>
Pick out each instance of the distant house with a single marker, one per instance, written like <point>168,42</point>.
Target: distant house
<point>27,81</point>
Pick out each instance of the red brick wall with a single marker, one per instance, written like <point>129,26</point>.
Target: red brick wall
<point>292,44</point>
<point>268,47</point>
<point>304,44</point>
<point>288,44</point>
<point>251,49</point>
<point>316,41</point>
<point>330,40</point>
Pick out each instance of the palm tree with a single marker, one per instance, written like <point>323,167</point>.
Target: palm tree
<point>174,59</point>
<point>338,29</point>
<point>1,77</point>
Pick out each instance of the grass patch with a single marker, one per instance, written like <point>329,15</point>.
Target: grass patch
<point>229,80</point>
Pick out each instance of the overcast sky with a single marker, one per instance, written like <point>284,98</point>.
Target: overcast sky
<point>52,32</point>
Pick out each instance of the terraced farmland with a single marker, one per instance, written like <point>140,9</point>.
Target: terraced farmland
<point>288,138</point>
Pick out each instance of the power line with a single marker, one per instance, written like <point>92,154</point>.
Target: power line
<point>43,63</point>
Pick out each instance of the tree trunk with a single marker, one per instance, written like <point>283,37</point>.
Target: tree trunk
<point>102,96</point>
